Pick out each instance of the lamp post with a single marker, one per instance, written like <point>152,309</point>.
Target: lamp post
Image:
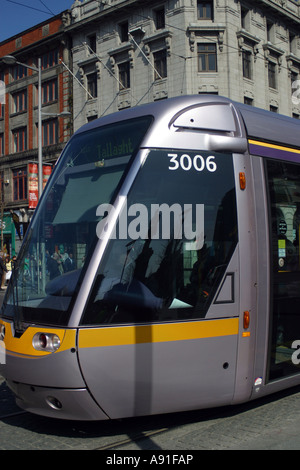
<point>11,60</point>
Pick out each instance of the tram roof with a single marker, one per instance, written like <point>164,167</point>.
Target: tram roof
<point>259,123</point>
<point>268,126</point>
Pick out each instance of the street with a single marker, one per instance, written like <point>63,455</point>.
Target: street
<point>271,423</point>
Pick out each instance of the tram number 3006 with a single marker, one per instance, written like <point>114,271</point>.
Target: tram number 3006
<point>197,162</point>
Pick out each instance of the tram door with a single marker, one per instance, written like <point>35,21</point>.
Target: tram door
<point>284,195</point>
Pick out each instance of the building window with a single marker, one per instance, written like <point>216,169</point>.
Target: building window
<point>159,18</point>
<point>50,59</point>
<point>92,42</point>
<point>50,132</point>
<point>245,18</point>
<point>92,85</point>
<point>272,75</point>
<point>18,72</point>
<point>247,65</point>
<point>123,31</point>
<point>1,111</point>
<point>270,31</point>
<point>273,109</point>
<point>1,145</point>
<point>160,64</point>
<point>19,101</point>
<point>124,75</point>
<point>92,118</point>
<point>207,58</point>
<point>248,101</point>
<point>20,184</point>
<point>49,91</point>
<point>205,10</point>
<point>20,139</point>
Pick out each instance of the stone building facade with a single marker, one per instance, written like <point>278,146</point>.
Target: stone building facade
<point>129,52</point>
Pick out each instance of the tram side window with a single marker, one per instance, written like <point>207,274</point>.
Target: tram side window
<point>173,277</point>
<point>284,192</point>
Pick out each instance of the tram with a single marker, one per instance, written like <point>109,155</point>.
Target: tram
<point>161,270</point>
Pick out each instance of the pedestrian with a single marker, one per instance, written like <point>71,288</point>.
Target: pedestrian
<point>3,272</point>
<point>9,269</point>
<point>13,262</point>
<point>69,264</point>
<point>54,266</point>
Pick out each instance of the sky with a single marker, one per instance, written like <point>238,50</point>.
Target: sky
<point>19,15</point>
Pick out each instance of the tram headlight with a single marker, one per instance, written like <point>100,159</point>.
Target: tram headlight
<point>46,342</point>
<point>2,332</point>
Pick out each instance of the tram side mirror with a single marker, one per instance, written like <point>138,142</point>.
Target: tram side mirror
<point>221,143</point>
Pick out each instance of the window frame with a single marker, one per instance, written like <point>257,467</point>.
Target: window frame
<point>160,64</point>
<point>50,91</point>
<point>160,18</point>
<point>207,54</point>
<point>92,84</point>
<point>50,131</point>
<point>272,75</point>
<point>50,59</point>
<point>19,101</point>
<point>18,72</point>
<point>20,187</point>
<point>247,64</point>
<point>19,140</point>
<point>124,75</point>
<point>207,9</point>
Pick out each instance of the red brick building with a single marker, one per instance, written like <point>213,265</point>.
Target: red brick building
<point>19,117</point>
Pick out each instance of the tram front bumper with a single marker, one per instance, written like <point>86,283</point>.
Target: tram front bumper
<point>46,383</point>
<point>72,404</point>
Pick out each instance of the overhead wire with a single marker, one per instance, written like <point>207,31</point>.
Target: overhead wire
<point>88,47</point>
<point>46,6</point>
<point>28,6</point>
<point>235,49</point>
<point>78,81</point>
<point>260,55</point>
<point>144,55</point>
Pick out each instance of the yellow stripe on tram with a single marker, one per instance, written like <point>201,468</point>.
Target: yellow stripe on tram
<point>273,146</point>
<point>129,335</point>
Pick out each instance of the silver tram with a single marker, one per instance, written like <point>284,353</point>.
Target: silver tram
<point>161,270</point>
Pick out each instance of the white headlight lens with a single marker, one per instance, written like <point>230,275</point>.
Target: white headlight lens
<point>46,342</point>
<point>2,332</point>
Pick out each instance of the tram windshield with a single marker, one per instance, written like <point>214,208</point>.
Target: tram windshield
<point>172,241</point>
<point>62,235</point>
